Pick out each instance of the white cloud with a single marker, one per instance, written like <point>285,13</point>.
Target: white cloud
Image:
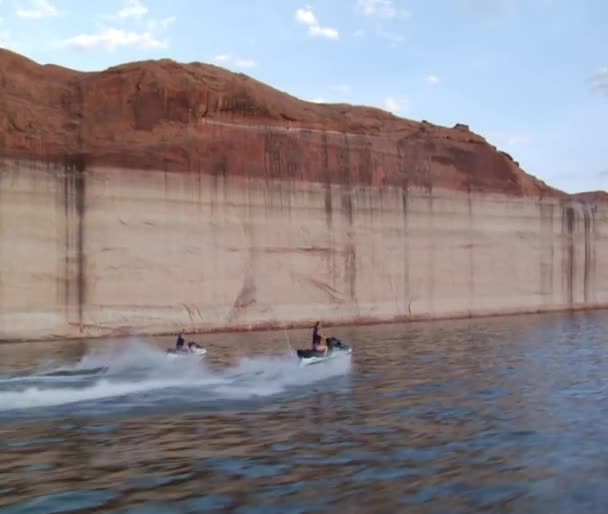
<point>381,8</point>
<point>137,10</point>
<point>111,39</point>
<point>326,32</point>
<point>307,17</point>
<point>38,9</point>
<point>433,80</point>
<point>599,81</point>
<point>395,105</point>
<point>229,59</point>
<point>133,9</point>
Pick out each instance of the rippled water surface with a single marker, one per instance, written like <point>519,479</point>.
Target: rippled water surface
<point>493,415</point>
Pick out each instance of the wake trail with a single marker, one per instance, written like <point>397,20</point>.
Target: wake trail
<point>138,374</point>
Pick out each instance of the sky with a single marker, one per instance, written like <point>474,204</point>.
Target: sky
<point>531,76</point>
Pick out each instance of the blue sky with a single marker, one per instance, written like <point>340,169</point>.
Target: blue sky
<point>529,75</point>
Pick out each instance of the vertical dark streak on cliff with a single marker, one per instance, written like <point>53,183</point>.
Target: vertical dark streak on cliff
<point>344,178</point>
<point>429,150</point>
<point>214,191</point>
<point>471,251</point>
<point>80,235</point>
<point>350,265</point>
<point>366,173</point>
<point>272,156</point>
<point>431,260</point>
<point>350,255</point>
<point>75,212</point>
<point>67,244</point>
<point>344,172</point>
<point>587,269</point>
<point>2,238</point>
<point>405,248</point>
<point>273,163</point>
<point>75,206</point>
<point>199,184</point>
<point>568,222</point>
<point>347,204</point>
<point>403,169</point>
<point>210,221</point>
<point>210,217</point>
<point>546,252</point>
<point>294,170</point>
<point>165,184</point>
<point>327,181</point>
<point>219,170</point>
<point>594,239</point>
<point>329,211</point>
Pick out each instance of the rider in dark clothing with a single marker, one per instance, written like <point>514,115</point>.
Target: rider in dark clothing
<point>318,343</point>
<point>179,344</point>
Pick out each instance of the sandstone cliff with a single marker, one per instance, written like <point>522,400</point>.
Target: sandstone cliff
<point>156,196</point>
<point>201,118</point>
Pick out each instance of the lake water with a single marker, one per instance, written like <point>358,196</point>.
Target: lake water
<point>493,415</point>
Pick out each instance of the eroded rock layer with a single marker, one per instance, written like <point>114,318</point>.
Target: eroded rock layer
<point>201,118</point>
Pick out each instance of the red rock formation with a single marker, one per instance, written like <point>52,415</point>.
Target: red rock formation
<point>201,118</point>
<point>600,197</point>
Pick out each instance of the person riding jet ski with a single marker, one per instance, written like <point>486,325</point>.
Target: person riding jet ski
<point>179,344</point>
<point>318,341</point>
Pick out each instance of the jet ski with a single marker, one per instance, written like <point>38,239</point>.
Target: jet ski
<point>194,351</point>
<point>335,347</point>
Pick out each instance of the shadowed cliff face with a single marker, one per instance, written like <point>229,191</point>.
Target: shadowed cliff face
<point>201,118</point>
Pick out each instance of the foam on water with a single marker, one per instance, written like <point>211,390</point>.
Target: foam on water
<point>138,374</point>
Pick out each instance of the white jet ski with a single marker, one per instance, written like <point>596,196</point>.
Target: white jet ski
<point>335,347</point>
<point>194,351</point>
